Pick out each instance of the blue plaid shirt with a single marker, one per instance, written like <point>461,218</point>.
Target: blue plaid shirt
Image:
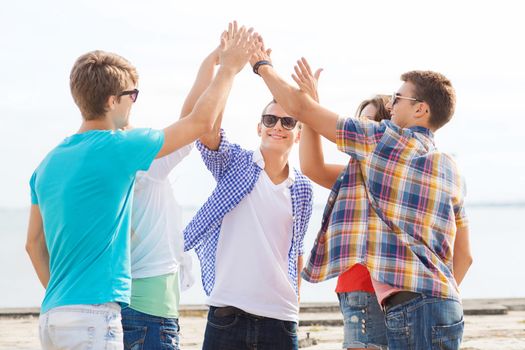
<point>236,173</point>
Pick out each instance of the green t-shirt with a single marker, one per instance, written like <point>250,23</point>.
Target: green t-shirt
<point>157,296</point>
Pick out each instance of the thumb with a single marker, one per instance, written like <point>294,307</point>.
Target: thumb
<point>317,73</point>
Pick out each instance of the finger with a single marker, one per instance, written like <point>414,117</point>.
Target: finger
<point>241,36</point>
<point>269,52</point>
<point>297,80</point>
<point>318,73</point>
<point>305,62</point>
<point>303,68</point>
<point>299,74</point>
<point>235,27</point>
<point>230,30</point>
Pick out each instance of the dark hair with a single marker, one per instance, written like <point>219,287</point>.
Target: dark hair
<point>379,102</point>
<point>437,91</point>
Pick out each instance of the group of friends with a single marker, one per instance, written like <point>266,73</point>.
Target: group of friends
<point>105,232</point>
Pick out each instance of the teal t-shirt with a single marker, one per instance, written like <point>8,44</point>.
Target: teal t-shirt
<point>84,189</point>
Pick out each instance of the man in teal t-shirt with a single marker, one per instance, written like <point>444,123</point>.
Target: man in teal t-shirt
<point>81,194</point>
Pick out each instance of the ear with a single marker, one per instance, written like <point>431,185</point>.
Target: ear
<point>111,102</point>
<point>259,129</point>
<point>422,110</point>
<point>298,136</point>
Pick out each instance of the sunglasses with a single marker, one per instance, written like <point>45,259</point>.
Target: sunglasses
<point>133,94</point>
<point>395,97</point>
<point>269,120</point>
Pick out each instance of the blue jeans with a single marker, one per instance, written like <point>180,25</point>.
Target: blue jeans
<point>143,331</point>
<point>364,321</point>
<point>425,323</point>
<point>237,332</point>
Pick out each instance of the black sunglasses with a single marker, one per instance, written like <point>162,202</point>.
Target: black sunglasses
<point>269,120</point>
<point>132,93</point>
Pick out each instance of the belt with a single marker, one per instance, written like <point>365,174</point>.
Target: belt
<point>399,298</point>
<point>232,310</point>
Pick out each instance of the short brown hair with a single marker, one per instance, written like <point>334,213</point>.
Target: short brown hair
<point>379,102</point>
<point>97,75</point>
<point>437,91</point>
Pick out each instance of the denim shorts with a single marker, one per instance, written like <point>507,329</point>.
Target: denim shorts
<point>143,331</point>
<point>88,326</point>
<point>364,321</point>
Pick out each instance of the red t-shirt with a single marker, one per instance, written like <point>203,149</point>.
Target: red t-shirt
<point>356,278</point>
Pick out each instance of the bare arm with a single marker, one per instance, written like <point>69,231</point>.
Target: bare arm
<point>294,101</point>
<point>310,147</point>
<point>204,78</point>
<point>462,254</point>
<point>299,269</point>
<point>235,52</point>
<point>202,81</point>
<point>36,245</point>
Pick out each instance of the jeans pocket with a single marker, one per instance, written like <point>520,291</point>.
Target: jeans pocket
<point>289,327</point>
<point>447,337</point>
<point>222,322</point>
<point>72,337</point>
<point>134,337</point>
<point>397,330</point>
<point>169,337</point>
<point>356,300</point>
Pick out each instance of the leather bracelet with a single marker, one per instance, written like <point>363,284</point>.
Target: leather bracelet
<point>260,63</point>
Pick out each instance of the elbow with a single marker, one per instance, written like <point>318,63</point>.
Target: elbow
<point>205,127</point>
<point>30,248</point>
<point>469,260</point>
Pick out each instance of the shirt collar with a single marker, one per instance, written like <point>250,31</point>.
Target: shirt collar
<point>259,160</point>
<point>422,130</point>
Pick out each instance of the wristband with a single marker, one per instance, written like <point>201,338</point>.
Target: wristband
<point>260,63</point>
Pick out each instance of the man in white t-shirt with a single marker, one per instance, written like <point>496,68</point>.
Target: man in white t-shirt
<point>158,260</point>
<point>249,237</point>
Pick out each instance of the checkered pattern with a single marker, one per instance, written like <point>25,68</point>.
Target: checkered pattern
<point>395,209</point>
<point>236,174</point>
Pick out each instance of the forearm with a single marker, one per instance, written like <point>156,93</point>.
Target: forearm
<point>299,270</point>
<point>299,104</point>
<point>462,258</point>
<point>36,245</point>
<point>39,256</point>
<point>312,159</point>
<point>214,98</point>
<point>202,81</point>
<point>294,101</point>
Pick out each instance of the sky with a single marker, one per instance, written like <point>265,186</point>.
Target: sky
<point>363,47</point>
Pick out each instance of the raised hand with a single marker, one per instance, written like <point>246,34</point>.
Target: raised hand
<point>237,46</point>
<point>304,78</point>
<point>262,54</point>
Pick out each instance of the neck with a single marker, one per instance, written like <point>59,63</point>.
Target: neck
<point>275,165</point>
<point>98,124</point>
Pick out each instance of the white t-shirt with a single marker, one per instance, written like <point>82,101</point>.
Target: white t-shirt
<point>157,243</point>
<point>251,269</point>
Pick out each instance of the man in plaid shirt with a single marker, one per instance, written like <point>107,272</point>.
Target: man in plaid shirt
<point>410,227</point>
